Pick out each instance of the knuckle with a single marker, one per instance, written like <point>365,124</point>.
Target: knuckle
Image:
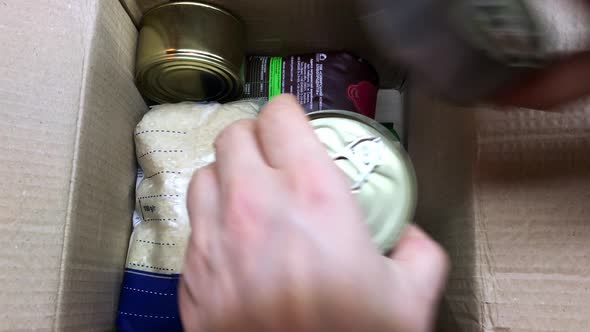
<point>442,256</point>
<point>311,186</point>
<point>281,102</point>
<point>276,109</point>
<point>201,186</point>
<point>244,213</point>
<point>437,255</point>
<point>240,201</point>
<point>234,132</point>
<point>200,182</point>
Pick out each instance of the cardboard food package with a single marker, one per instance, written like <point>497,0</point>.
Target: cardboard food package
<point>506,192</point>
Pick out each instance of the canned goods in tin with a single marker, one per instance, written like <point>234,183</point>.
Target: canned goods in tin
<point>381,174</point>
<point>189,51</point>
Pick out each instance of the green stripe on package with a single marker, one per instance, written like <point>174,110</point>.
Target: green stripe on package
<point>275,76</point>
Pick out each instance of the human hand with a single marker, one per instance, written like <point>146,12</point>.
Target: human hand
<point>278,242</point>
<point>564,80</point>
<point>561,81</point>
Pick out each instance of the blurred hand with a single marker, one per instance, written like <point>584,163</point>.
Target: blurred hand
<point>564,80</point>
<point>278,242</point>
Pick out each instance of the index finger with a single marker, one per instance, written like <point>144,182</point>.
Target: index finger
<point>287,139</point>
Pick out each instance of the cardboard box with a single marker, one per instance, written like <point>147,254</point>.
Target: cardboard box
<point>506,192</point>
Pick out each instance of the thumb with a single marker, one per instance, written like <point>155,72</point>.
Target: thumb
<point>422,262</point>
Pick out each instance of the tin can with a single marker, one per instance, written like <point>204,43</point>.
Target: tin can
<point>381,174</point>
<point>190,51</point>
<point>463,50</point>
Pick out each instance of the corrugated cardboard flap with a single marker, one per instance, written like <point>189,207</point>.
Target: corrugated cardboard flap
<point>101,193</point>
<point>68,107</point>
<point>39,98</point>
<point>513,213</point>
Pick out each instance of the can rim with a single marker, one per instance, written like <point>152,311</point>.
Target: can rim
<point>190,3</point>
<point>353,116</point>
<point>393,232</point>
<point>221,71</point>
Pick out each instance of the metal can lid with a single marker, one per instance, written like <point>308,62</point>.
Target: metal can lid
<point>381,174</point>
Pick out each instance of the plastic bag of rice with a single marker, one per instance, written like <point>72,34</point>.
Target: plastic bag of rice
<point>172,141</point>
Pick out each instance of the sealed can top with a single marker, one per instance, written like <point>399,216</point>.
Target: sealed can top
<point>190,51</point>
<point>381,174</point>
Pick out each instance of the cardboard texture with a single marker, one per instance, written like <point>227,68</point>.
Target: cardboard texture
<point>505,192</point>
<point>68,108</point>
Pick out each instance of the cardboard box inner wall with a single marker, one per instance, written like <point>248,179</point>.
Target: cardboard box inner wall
<point>506,192</point>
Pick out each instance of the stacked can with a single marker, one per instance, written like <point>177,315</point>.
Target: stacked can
<point>189,51</point>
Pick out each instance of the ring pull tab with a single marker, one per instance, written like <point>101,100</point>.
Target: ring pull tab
<point>364,154</point>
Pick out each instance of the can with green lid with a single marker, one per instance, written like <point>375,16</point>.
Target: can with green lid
<point>190,51</point>
<point>381,174</point>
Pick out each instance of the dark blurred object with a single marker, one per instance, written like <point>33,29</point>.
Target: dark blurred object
<point>465,51</point>
<point>321,81</point>
<point>391,127</point>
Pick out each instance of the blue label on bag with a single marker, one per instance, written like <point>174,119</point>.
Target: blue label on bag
<point>148,302</point>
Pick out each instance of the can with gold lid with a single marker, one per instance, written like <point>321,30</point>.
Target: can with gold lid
<point>381,174</point>
<point>190,51</point>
